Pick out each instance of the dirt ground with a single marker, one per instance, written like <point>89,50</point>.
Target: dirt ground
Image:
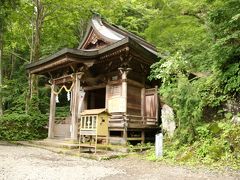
<point>28,163</point>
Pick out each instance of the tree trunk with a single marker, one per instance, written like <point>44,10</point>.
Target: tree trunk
<point>38,18</point>
<point>36,44</point>
<point>12,59</point>
<point>1,75</point>
<point>29,91</point>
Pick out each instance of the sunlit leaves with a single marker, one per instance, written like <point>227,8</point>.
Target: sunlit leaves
<point>207,33</point>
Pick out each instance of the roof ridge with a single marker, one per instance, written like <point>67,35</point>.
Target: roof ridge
<point>132,35</point>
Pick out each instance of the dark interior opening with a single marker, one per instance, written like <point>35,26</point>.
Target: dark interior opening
<point>116,133</point>
<point>134,143</point>
<point>96,98</point>
<point>150,136</point>
<point>134,134</point>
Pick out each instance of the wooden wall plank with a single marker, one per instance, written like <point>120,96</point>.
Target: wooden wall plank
<point>134,100</point>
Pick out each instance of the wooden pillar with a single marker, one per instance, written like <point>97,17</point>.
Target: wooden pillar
<point>143,104</point>
<point>52,114</point>
<point>124,95</point>
<point>124,90</point>
<point>124,72</point>
<point>143,136</point>
<point>157,103</point>
<point>75,107</point>
<point>106,96</point>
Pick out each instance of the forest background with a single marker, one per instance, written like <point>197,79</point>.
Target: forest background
<point>199,66</point>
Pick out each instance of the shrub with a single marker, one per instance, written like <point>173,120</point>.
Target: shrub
<point>23,126</point>
<point>216,143</point>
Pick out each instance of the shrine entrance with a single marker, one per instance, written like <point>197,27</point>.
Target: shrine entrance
<point>61,129</point>
<point>96,98</point>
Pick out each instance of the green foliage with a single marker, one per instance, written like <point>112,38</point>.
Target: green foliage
<point>213,50</point>
<point>44,101</point>
<point>14,91</point>
<point>6,8</point>
<point>17,126</point>
<point>180,26</point>
<point>216,144</point>
<point>132,15</point>
<point>180,93</point>
<point>63,111</point>
<point>192,36</point>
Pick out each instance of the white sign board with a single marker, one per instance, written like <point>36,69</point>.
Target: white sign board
<point>116,104</point>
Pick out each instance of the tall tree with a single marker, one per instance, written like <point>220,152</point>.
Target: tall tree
<point>6,8</point>
<point>48,21</point>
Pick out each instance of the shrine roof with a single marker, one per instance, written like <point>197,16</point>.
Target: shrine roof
<point>93,111</point>
<point>101,39</point>
<point>82,53</point>
<point>112,33</point>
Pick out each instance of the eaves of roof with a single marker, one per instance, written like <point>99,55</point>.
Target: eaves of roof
<point>90,54</point>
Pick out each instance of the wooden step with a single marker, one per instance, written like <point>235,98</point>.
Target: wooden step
<point>87,145</point>
<point>116,117</point>
<point>134,138</point>
<point>114,120</point>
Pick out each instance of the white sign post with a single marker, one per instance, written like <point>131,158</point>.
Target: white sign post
<point>159,145</point>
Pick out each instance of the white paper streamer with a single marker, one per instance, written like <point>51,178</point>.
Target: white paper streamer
<point>57,100</point>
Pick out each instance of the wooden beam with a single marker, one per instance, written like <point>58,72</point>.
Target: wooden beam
<point>99,86</point>
<point>45,67</point>
<point>63,79</point>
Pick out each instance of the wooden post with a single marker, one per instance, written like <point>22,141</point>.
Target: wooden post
<point>52,114</point>
<point>76,98</point>
<point>124,72</point>
<point>124,95</point>
<point>143,137</point>
<point>157,103</point>
<point>143,105</point>
<point>124,90</point>
<point>106,97</point>
<point>143,113</point>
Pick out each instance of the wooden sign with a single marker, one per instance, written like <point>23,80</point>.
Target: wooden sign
<point>116,104</point>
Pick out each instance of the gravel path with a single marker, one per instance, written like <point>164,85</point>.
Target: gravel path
<point>27,163</point>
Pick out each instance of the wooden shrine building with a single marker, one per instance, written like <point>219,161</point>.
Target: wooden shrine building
<point>108,71</point>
